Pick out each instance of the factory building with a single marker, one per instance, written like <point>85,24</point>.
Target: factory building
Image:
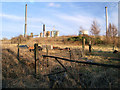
<point>49,34</point>
<point>45,33</point>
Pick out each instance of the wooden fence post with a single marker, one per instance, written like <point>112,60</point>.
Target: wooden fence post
<point>47,54</point>
<point>70,53</point>
<point>18,49</point>
<point>89,46</point>
<point>35,55</point>
<point>83,47</point>
<point>113,45</point>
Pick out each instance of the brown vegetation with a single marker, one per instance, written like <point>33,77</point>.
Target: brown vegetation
<point>20,73</point>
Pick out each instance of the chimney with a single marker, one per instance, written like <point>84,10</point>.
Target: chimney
<point>25,33</point>
<point>44,32</point>
<point>106,21</point>
<point>119,19</point>
<point>43,27</point>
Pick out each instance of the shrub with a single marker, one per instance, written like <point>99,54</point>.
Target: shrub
<point>79,38</point>
<point>21,38</point>
<point>98,41</point>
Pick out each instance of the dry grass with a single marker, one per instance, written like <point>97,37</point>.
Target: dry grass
<point>20,73</point>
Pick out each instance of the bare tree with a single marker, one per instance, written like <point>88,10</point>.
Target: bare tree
<point>112,33</point>
<point>109,30</point>
<point>95,30</point>
<point>81,28</point>
<point>112,30</point>
<point>4,38</point>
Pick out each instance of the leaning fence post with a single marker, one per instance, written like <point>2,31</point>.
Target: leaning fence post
<point>70,53</point>
<point>35,55</point>
<point>18,49</point>
<point>47,54</point>
<point>89,46</point>
<point>113,45</point>
<point>83,46</point>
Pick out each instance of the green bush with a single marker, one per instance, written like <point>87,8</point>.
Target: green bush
<point>79,38</point>
<point>95,41</point>
<point>98,41</point>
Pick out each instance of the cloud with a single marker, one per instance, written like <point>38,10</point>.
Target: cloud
<point>81,20</point>
<point>54,5</point>
<point>13,17</point>
<point>67,22</point>
<point>19,18</point>
<point>31,1</point>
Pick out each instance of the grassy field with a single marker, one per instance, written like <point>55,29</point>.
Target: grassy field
<point>20,73</point>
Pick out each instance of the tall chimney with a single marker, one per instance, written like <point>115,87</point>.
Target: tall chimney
<point>25,33</point>
<point>43,27</point>
<point>119,20</point>
<point>44,32</point>
<point>106,22</point>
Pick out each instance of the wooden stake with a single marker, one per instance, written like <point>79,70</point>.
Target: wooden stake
<point>70,53</point>
<point>47,54</point>
<point>18,50</point>
<point>35,55</point>
<point>83,46</point>
<point>89,46</point>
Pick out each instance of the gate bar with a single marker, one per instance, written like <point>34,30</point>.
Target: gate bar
<point>98,64</point>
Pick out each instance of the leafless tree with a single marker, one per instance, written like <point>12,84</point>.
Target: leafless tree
<point>4,38</point>
<point>95,29</point>
<point>81,28</point>
<point>112,30</point>
<point>112,33</point>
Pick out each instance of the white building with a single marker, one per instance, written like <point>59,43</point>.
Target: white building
<point>83,32</point>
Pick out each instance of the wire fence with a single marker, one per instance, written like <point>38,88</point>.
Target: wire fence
<point>78,71</point>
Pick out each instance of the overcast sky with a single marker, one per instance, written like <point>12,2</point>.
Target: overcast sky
<point>67,17</point>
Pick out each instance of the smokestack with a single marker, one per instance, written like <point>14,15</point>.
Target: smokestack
<point>119,19</point>
<point>25,33</point>
<point>43,27</point>
<point>106,21</point>
<point>44,32</point>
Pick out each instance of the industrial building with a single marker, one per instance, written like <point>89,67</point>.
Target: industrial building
<point>45,33</point>
<point>83,32</point>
